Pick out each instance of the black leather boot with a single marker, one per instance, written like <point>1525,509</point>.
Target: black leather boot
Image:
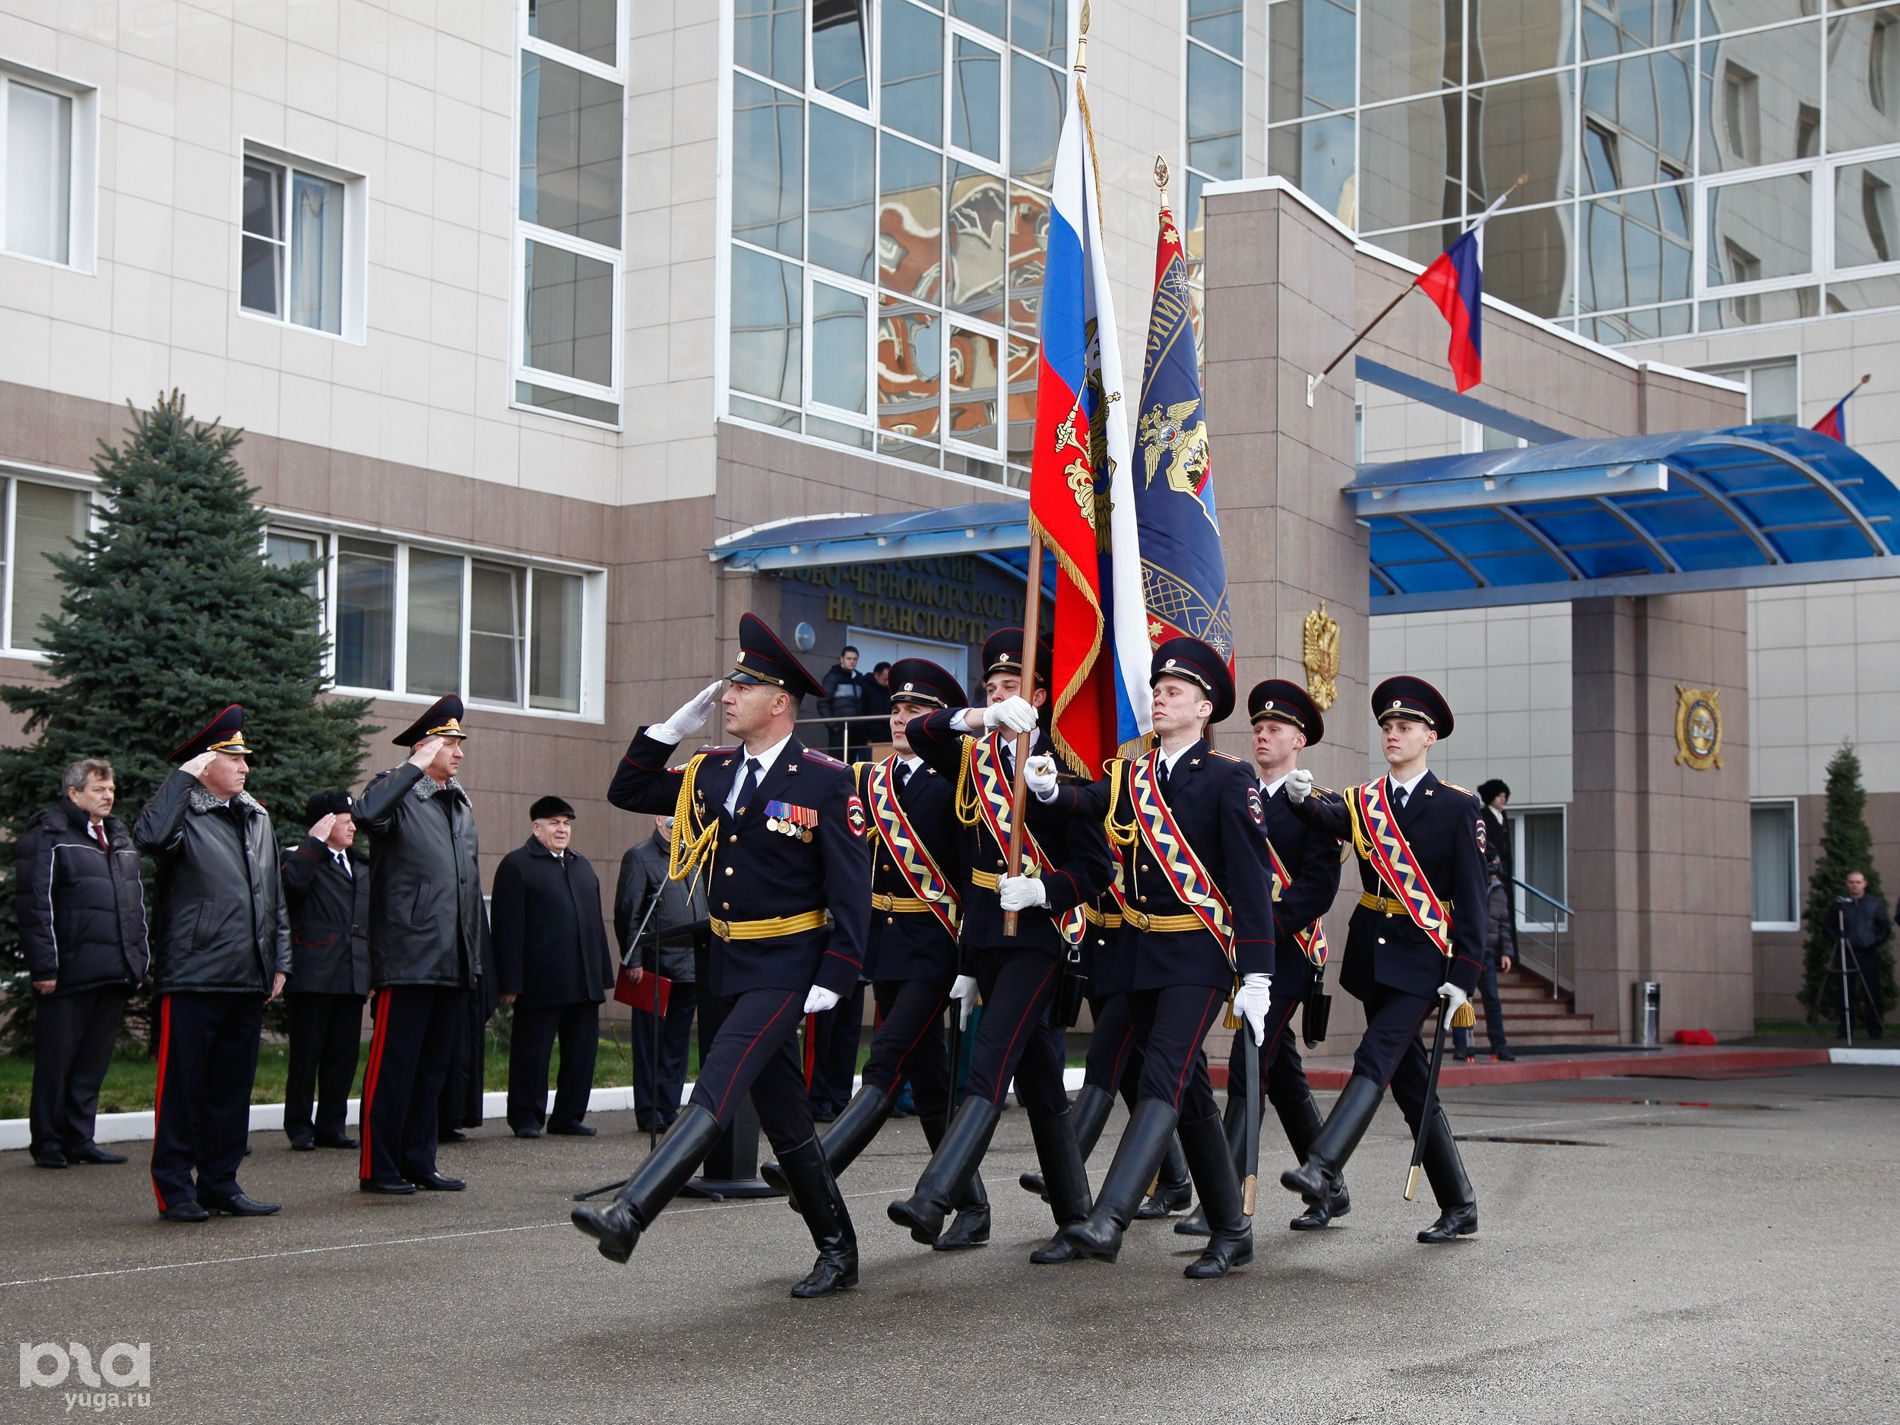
<point>1149,1135</point>
<point>1174,1192</point>
<point>808,1171</point>
<point>1445,1169</point>
<point>1230,1232</point>
<point>947,1176</point>
<point>1232,1127</point>
<point>618,1225</point>
<point>850,1134</point>
<point>1090,1112</point>
<point>1318,1177</point>
<point>971,1227</point>
<point>1302,1124</point>
<point>1068,1181</point>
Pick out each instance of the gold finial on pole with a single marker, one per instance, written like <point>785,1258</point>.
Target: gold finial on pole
<point>1161,176</point>
<point>1082,42</point>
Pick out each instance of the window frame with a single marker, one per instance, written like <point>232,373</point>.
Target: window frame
<point>592,630</point>
<point>520,373</point>
<point>1515,816</point>
<point>14,474</point>
<point>82,194</point>
<point>353,302</point>
<point>1743,372</point>
<point>1793,804</point>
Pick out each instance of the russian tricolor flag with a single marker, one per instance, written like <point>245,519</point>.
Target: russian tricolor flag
<point>1081,485</point>
<point>1834,423</point>
<point>1456,284</point>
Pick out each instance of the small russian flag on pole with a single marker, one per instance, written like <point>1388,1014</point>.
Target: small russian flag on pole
<point>1456,284</point>
<point>1834,423</point>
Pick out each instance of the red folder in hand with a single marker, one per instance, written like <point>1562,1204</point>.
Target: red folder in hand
<point>651,994</point>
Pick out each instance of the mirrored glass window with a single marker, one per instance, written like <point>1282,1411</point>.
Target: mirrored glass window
<point>840,61</point>
<point>569,316</point>
<point>1035,119</point>
<point>1523,127</point>
<point>1723,15</point>
<point>976,106</point>
<point>1527,258</point>
<point>570,150</point>
<point>986,14</point>
<point>1041,27</point>
<point>912,74</point>
<point>1318,156</point>
<point>843,196</point>
<point>1019,395</point>
<point>1220,23</point>
<point>1760,229</point>
<point>974,387</point>
<point>1519,37</point>
<point>1622,26</point>
<point>1866,228</point>
<point>768,37</point>
<point>768,166</point>
<point>1636,250</point>
<point>1028,257</point>
<point>1310,58</point>
<point>583,26</point>
<point>1639,121</point>
<point>768,327</point>
<point>1403,47</point>
<point>910,220</point>
<point>909,369</point>
<point>1215,113</point>
<point>977,223</point>
<point>840,339</point>
<point>435,623</point>
<point>365,614</point>
<point>1863,79</point>
<point>1761,98</point>
<point>1406,150</point>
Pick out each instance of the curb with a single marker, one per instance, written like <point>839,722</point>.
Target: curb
<point>1547,1068</point>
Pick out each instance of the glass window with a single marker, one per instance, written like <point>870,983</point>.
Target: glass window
<point>1624,26</point>
<point>262,281</point>
<point>566,403</point>
<point>976,224</point>
<point>1035,119</point>
<point>1406,151</point>
<point>286,549</point>
<point>1319,157</point>
<point>1216,113</point>
<point>495,632</point>
<point>768,37</point>
<point>909,368</point>
<point>1019,395</point>
<point>1516,127</point>
<point>365,614</point>
<point>1041,27</point>
<point>910,220</point>
<point>1864,218</point>
<point>974,387</point>
<point>1519,37</point>
<point>1758,92</point>
<point>292,264</point>
<point>1863,79</point>
<point>768,166</point>
<point>1527,258</point>
<point>1310,49</point>
<point>1761,229</point>
<point>913,71</point>
<point>1219,23</point>
<point>840,337</point>
<point>568,328</point>
<point>583,26</point>
<point>1774,396</point>
<point>1637,249</point>
<point>1775,867</point>
<point>1540,864</point>
<point>554,681</point>
<point>840,62</point>
<point>570,151</point>
<point>46,520</point>
<point>1402,49</point>
<point>768,327</point>
<point>985,14</point>
<point>843,196</point>
<point>1028,257</point>
<point>1643,112</point>
<point>435,623</point>
<point>976,109</point>
<point>39,172</point>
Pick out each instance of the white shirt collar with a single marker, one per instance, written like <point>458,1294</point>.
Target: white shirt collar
<point>1271,787</point>
<point>911,764</point>
<point>1168,759</point>
<point>765,759</point>
<point>1406,787</point>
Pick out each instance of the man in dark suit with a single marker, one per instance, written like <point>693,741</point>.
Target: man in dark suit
<point>643,879</point>
<point>554,967</point>
<point>778,833</point>
<point>328,894</point>
<point>912,960</point>
<point>1415,942</point>
<point>1196,889</point>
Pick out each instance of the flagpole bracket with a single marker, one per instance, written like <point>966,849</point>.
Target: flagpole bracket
<point>1312,385</point>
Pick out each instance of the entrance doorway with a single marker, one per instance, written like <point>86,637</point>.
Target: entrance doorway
<point>876,648</point>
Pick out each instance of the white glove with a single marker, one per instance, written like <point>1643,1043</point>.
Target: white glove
<point>1454,998</point>
<point>964,993</point>
<point>1251,1001</point>
<point>1299,784</point>
<point>690,717</point>
<point>1012,713</point>
<point>1022,892</point>
<point>818,999</point>
<point>1040,774</point>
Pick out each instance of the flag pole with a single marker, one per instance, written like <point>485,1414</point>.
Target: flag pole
<point>1312,382</point>
<point>1032,630</point>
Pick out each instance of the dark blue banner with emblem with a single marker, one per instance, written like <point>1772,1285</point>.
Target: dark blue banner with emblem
<point>1183,574</point>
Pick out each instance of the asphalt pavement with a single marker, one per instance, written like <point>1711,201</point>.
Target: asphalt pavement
<point>1651,1249</point>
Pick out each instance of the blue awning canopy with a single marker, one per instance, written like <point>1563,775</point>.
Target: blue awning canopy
<point>1670,513</point>
<point>994,526</point>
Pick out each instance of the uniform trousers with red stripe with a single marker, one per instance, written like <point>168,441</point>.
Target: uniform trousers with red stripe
<point>1390,1051</point>
<point>1115,1058</point>
<point>756,1051</point>
<point>909,1043</point>
<point>1013,1037</point>
<point>1171,1022</point>
<point>409,1056</point>
<point>207,1062</point>
<point>1283,1075</point>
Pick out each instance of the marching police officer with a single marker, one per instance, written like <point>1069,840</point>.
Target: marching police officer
<point>778,833</point>
<point>220,953</point>
<point>328,893</point>
<point>916,892</point>
<point>1416,939</point>
<point>427,929</point>
<point>1198,898</point>
<point>974,748</point>
<point>1305,866</point>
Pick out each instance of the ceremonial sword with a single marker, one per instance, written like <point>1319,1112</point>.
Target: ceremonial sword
<point>1431,1086</point>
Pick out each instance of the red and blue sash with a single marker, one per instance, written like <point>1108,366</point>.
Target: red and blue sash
<point>912,857</point>
<point>1311,939</point>
<point>1186,875</point>
<point>992,804</point>
<point>1376,836</point>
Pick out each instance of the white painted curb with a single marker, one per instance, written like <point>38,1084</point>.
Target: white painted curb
<point>1889,1058</point>
<point>269,1117</point>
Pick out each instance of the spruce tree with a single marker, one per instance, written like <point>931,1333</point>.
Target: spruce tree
<point>169,612</point>
<point>1846,845</point>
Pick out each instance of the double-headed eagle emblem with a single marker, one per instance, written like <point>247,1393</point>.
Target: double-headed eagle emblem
<point>1165,432</point>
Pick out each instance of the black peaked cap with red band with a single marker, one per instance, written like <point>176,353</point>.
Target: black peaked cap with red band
<point>1003,653</point>
<point>1198,663</point>
<point>1284,701</point>
<point>919,681</point>
<point>443,719</point>
<point>764,658</point>
<point>1414,698</point>
<point>224,733</point>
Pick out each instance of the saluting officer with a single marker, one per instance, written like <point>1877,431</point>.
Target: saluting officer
<point>1417,936</point>
<point>975,749</point>
<point>778,833</point>
<point>911,961</point>
<point>427,927</point>
<point>1305,865</point>
<point>1198,897</point>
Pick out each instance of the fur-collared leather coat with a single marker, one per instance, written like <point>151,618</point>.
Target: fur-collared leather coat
<point>218,916</point>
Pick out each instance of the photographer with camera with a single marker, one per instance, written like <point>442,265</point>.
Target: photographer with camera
<point>1866,926</point>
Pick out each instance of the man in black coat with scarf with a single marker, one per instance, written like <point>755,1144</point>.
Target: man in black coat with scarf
<point>328,893</point>
<point>81,913</point>
<point>553,965</point>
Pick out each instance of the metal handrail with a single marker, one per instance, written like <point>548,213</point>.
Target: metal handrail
<point>1552,944</point>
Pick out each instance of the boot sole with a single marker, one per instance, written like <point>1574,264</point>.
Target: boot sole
<point>610,1247</point>
<point>921,1233</point>
<point>1192,1273</point>
<point>849,1283</point>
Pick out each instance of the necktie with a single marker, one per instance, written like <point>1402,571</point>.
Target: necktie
<point>1166,769</point>
<point>98,830</point>
<point>342,863</point>
<point>1400,798</point>
<point>903,775</point>
<point>747,787</point>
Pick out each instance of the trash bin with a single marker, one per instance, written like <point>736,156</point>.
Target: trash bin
<point>1646,1012</point>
